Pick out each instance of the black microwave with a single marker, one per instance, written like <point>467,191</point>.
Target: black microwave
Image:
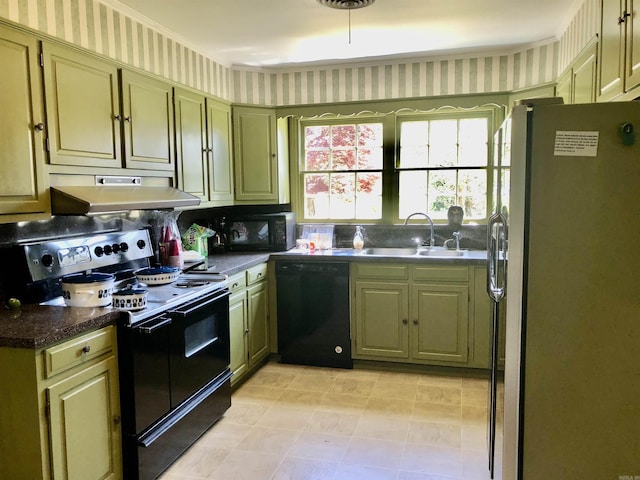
<point>273,232</point>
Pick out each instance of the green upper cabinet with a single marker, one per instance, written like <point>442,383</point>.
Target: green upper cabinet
<point>260,156</point>
<point>578,82</point>
<point>147,114</point>
<point>219,154</point>
<point>203,146</point>
<point>22,125</point>
<point>82,101</point>
<point>191,143</point>
<point>619,55</point>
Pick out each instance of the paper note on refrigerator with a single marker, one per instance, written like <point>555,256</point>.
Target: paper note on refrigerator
<point>576,144</point>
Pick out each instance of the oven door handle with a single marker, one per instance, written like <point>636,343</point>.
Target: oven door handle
<point>152,327</point>
<point>197,305</point>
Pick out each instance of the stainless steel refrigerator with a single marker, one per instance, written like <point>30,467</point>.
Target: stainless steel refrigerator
<point>572,253</point>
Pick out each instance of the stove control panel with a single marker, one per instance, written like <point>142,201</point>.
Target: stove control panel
<point>56,258</point>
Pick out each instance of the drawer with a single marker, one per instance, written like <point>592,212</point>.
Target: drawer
<point>257,274</point>
<point>381,270</point>
<point>444,273</point>
<point>78,350</point>
<point>237,282</point>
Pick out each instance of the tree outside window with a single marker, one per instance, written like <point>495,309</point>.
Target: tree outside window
<point>342,172</point>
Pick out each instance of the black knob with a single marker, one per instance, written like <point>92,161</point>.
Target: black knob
<point>108,250</point>
<point>47,260</point>
<point>116,247</point>
<point>141,244</point>
<point>98,251</point>
<point>124,247</point>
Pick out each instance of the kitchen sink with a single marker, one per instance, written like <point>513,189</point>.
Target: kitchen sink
<point>390,251</point>
<point>440,252</point>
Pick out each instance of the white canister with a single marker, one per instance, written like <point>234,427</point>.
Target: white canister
<point>87,289</point>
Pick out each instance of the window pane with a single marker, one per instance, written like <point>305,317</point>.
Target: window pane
<point>370,159</point>
<point>472,189</point>
<point>343,159</point>
<point>342,204</point>
<point>317,160</point>
<point>414,156</point>
<point>316,195</point>
<point>473,142</point>
<point>442,193</point>
<point>414,133</point>
<point>317,136</point>
<point>343,136</point>
<point>413,192</point>
<point>370,135</point>
<point>369,196</point>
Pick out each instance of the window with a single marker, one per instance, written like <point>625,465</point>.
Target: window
<point>381,169</point>
<point>342,172</point>
<point>443,162</point>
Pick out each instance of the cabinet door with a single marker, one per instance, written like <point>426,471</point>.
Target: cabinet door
<point>564,87</point>
<point>255,157</point>
<point>238,334</point>
<point>585,77</point>
<point>82,109</point>
<point>381,324</point>
<point>22,185</point>
<point>191,150</point>
<point>440,322</point>
<point>148,122</point>
<point>258,310</point>
<point>633,46</point>
<point>611,57</point>
<point>84,424</point>
<point>219,152</point>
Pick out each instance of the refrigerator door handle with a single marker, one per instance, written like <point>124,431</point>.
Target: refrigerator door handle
<point>496,257</point>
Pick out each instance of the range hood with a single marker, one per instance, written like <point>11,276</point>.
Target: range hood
<point>116,194</point>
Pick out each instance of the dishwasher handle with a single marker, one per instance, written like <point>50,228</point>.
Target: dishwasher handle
<point>320,267</point>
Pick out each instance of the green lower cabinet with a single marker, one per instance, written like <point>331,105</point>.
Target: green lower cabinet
<point>81,421</point>
<point>440,322</point>
<point>381,319</point>
<point>258,309</point>
<point>249,326</point>
<point>238,331</point>
<point>412,314</point>
<point>60,418</point>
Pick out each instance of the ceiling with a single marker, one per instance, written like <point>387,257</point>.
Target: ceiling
<point>282,33</point>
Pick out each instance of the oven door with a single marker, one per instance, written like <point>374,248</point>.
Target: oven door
<point>199,344</point>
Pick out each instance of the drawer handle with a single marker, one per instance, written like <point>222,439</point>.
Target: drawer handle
<point>415,322</point>
<point>234,285</point>
<point>86,349</point>
<point>405,321</point>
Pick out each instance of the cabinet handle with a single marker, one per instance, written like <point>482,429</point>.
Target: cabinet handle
<point>118,117</point>
<point>405,321</point>
<point>116,420</point>
<point>86,349</point>
<point>415,322</point>
<point>127,119</point>
<point>623,18</point>
<point>39,126</point>
<point>246,332</point>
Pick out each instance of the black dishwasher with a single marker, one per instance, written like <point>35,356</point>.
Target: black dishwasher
<point>313,313</point>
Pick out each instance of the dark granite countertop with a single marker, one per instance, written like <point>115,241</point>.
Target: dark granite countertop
<point>36,326</point>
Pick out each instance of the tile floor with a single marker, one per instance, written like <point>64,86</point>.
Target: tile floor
<point>309,423</point>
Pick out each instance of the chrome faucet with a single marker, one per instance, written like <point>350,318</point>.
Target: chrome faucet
<point>431,240</point>
<point>457,239</point>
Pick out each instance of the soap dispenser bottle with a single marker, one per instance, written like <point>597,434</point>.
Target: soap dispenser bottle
<point>358,239</point>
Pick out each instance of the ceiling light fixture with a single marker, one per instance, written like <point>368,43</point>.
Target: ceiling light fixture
<point>346,5</point>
